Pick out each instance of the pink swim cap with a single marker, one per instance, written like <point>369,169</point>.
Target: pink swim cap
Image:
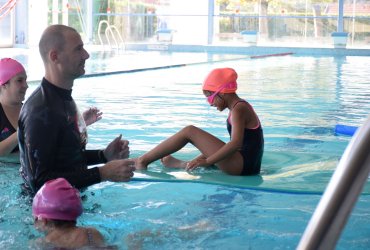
<point>57,200</point>
<point>222,78</point>
<point>8,69</point>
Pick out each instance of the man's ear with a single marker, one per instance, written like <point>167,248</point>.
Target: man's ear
<point>53,55</point>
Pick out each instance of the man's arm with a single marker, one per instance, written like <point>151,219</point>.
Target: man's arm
<point>48,151</point>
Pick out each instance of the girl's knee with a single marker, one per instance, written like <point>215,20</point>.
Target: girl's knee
<point>189,132</point>
<point>190,129</point>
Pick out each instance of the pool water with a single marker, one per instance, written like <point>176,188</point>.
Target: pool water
<point>299,100</point>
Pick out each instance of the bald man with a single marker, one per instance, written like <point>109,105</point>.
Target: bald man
<point>52,135</point>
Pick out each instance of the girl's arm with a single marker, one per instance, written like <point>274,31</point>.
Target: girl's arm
<point>238,118</point>
<point>237,121</point>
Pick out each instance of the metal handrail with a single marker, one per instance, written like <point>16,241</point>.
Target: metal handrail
<point>110,31</point>
<point>99,28</point>
<point>341,194</point>
<point>114,29</point>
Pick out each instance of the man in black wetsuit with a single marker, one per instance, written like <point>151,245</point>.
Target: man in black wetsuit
<point>52,135</point>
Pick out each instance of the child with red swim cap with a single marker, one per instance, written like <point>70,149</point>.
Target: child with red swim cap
<point>56,207</point>
<point>242,155</point>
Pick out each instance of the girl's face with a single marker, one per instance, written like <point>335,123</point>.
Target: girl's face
<point>215,99</point>
<point>15,90</point>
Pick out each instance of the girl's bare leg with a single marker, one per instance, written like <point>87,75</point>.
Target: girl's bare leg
<point>190,134</point>
<point>206,143</point>
<point>172,162</point>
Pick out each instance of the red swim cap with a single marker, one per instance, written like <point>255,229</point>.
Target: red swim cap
<point>57,200</point>
<point>8,69</point>
<point>222,77</point>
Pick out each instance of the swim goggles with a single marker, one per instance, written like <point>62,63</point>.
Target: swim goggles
<point>211,98</point>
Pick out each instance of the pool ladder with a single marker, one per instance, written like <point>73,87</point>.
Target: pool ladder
<point>111,33</point>
<point>341,194</point>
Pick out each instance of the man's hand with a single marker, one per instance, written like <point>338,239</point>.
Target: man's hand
<point>117,149</point>
<point>117,170</point>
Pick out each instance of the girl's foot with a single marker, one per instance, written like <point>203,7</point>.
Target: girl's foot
<point>171,162</point>
<point>139,165</point>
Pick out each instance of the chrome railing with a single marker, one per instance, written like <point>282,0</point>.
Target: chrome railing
<point>111,32</point>
<point>341,194</point>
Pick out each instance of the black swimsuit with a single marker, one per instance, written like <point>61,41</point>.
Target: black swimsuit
<point>51,142</point>
<point>252,149</point>
<point>6,128</point>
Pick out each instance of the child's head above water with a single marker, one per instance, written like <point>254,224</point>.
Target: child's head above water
<point>221,80</point>
<point>57,200</point>
<point>8,69</point>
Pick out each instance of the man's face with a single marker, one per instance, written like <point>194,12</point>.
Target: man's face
<point>72,58</point>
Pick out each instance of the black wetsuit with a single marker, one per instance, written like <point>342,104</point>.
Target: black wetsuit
<point>51,142</point>
<point>252,149</point>
<point>6,128</point>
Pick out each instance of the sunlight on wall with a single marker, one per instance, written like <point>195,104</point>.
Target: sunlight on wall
<point>37,20</point>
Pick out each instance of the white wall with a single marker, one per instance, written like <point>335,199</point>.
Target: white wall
<point>6,26</point>
<point>37,21</point>
<point>189,29</point>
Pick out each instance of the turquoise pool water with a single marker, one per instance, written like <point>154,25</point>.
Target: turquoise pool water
<point>299,99</point>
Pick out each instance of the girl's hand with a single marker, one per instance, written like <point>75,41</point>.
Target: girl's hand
<point>199,161</point>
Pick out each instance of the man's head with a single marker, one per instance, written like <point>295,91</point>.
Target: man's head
<point>62,52</point>
<point>53,39</point>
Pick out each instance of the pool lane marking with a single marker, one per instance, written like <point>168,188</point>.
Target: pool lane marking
<point>181,65</point>
<point>271,55</point>
<point>157,68</point>
<point>172,66</point>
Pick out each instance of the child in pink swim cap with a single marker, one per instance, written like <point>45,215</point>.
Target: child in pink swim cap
<point>8,69</point>
<point>242,155</point>
<point>13,87</point>
<point>56,207</point>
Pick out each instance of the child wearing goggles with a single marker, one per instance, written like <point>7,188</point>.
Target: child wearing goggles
<point>242,155</point>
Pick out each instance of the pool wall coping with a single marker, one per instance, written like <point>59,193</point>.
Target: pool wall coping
<point>250,50</point>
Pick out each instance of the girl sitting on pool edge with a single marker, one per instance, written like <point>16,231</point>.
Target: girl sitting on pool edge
<point>242,155</point>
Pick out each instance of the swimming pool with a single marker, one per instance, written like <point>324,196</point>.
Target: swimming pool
<point>299,100</point>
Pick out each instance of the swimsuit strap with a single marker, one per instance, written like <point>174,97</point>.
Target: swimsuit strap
<point>239,102</point>
<point>228,118</point>
<point>90,237</point>
<point>259,123</point>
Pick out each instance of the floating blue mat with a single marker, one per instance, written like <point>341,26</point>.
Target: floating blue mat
<point>283,172</point>
<point>345,130</point>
